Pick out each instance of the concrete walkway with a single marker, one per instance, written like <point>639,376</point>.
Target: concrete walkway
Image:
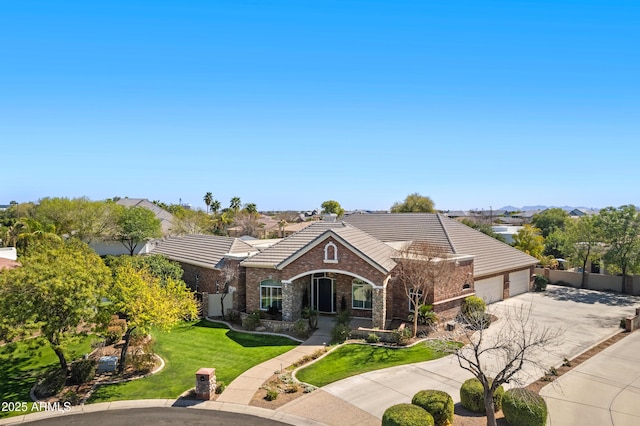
<point>242,389</point>
<point>604,390</point>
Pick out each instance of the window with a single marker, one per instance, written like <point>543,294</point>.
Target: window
<point>412,296</point>
<point>270,295</point>
<point>330,253</point>
<point>361,295</point>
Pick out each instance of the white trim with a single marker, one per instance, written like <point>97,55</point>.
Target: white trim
<point>327,246</point>
<point>335,271</point>
<point>361,283</point>
<point>322,237</point>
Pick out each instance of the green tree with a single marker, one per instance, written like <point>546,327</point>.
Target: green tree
<point>529,240</point>
<point>331,206</point>
<point>251,208</point>
<point>550,220</point>
<point>147,300</point>
<point>208,199</point>
<point>414,203</point>
<point>189,222</point>
<point>57,289</point>
<point>235,204</point>
<point>621,233</point>
<point>582,242</point>
<point>215,206</point>
<point>484,228</point>
<point>136,225</point>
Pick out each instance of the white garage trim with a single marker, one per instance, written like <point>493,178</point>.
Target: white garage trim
<point>518,282</point>
<point>489,289</point>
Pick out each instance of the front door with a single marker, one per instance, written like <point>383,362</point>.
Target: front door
<point>322,294</point>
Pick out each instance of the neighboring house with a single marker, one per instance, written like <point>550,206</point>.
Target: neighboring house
<point>506,231</point>
<point>116,248</point>
<point>203,259</point>
<point>582,212</point>
<point>8,258</point>
<point>165,218</point>
<point>352,263</point>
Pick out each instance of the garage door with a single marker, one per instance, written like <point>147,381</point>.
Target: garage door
<point>518,282</point>
<point>490,289</point>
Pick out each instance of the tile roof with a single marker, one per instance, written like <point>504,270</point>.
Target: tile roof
<point>491,256</point>
<point>370,248</point>
<point>207,250</point>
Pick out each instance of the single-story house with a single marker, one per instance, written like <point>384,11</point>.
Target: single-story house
<point>353,263</point>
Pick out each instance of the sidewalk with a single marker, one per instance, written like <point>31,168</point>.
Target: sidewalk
<point>242,389</point>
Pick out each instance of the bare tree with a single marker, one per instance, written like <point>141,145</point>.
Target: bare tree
<point>421,267</point>
<point>511,351</point>
<point>229,273</point>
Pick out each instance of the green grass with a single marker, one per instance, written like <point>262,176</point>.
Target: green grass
<point>352,359</point>
<point>23,363</point>
<point>191,346</point>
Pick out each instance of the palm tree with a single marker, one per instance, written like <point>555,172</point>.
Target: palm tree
<point>251,208</point>
<point>215,206</point>
<point>235,204</point>
<point>208,199</point>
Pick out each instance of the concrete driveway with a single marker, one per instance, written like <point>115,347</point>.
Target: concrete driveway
<point>585,318</point>
<point>604,390</point>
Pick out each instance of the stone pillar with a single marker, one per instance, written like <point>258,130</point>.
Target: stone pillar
<point>287,301</point>
<point>379,313</point>
<point>205,383</point>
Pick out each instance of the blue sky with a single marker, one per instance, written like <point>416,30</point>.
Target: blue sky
<point>287,104</point>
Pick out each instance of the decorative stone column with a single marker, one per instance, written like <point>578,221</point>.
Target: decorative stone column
<point>287,301</point>
<point>205,383</point>
<point>379,313</point>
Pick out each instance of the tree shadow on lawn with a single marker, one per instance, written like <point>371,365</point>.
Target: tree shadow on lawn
<point>249,340</point>
<point>591,297</point>
<point>15,384</point>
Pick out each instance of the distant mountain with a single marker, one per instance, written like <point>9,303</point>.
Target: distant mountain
<point>530,208</point>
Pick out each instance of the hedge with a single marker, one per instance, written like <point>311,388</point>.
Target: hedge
<point>437,403</point>
<point>472,396</point>
<point>522,407</point>
<point>406,415</point>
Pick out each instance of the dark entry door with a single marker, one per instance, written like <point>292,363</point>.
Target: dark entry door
<point>325,294</point>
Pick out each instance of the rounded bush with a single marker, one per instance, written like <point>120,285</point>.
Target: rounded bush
<point>406,415</point>
<point>473,305</point>
<point>52,383</point>
<point>437,403</point>
<point>472,396</point>
<point>82,371</point>
<point>524,408</point>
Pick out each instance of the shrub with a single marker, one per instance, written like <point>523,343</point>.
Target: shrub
<point>343,317</point>
<point>406,415</point>
<point>524,408</point>
<point>340,333</point>
<point>51,383</point>
<point>82,371</point>
<point>426,316</point>
<point>233,316</point>
<point>540,282</point>
<point>472,396</point>
<point>272,395</point>
<point>402,336</point>
<point>252,321</point>
<point>115,330</point>
<point>220,387</point>
<point>291,388</point>
<point>141,362</point>
<point>71,397</point>
<point>473,305</point>
<point>372,338</point>
<point>437,403</point>
<point>301,328</point>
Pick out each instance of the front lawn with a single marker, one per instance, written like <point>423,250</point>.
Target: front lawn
<point>22,364</point>
<point>352,359</point>
<point>191,346</point>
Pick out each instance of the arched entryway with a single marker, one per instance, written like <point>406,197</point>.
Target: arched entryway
<point>322,293</point>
